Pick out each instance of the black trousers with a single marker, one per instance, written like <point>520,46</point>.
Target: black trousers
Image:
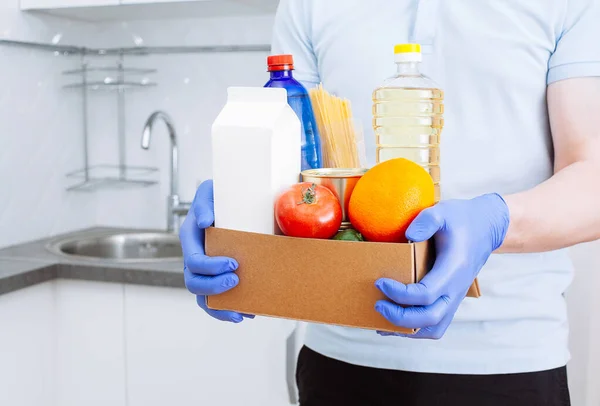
<point>324,381</point>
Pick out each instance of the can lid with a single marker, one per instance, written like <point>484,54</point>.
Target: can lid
<point>339,173</point>
<point>280,62</point>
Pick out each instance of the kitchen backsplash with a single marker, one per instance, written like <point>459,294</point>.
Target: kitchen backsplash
<point>192,89</point>
<point>41,123</point>
<point>40,131</point>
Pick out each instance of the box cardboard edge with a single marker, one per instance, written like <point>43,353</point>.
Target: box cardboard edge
<point>398,330</point>
<point>418,250</point>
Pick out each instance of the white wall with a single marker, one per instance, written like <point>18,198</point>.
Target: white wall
<point>40,131</point>
<point>192,89</point>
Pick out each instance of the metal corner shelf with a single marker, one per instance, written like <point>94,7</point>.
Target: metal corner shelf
<point>117,82</point>
<point>120,85</point>
<point>147,50</point>
<point>112,176</point>
<point>121,175</point>
<point>109,69</point>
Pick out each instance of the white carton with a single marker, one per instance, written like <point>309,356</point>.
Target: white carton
<point>256,155</point>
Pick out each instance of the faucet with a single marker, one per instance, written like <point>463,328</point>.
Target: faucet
<point>175,207</point>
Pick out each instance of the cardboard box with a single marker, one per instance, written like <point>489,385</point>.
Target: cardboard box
<point>321,281</point>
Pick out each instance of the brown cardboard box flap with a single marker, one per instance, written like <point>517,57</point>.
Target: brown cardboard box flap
<point>320,281</point>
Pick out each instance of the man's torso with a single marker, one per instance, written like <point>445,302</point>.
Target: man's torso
<point>491,59</point>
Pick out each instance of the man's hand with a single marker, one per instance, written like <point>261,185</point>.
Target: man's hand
<point>206,275</point>
<point>466,232</point>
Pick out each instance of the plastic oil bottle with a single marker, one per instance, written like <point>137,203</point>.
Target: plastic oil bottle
<point>408,115</point>
<point>280,69</point>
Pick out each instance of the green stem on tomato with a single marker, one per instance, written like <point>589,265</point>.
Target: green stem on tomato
<point>309,195</point>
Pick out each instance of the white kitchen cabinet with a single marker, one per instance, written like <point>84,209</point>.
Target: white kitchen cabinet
<point>72,343</point>
<point>62,344</point>
<point>162,1</point>
<point>178,355</point>
<point>50,4</point>
<point>27,343</point>
<point>90,344</point>
<point>265,5</point>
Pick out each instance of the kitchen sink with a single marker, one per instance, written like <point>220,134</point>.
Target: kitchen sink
<point>121,247</point>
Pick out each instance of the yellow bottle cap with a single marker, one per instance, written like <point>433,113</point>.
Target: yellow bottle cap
<point>407,48</point>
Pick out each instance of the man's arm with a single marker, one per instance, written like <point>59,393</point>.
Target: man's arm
<point>564,210</point>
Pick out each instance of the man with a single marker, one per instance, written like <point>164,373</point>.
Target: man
<point>520,178</point>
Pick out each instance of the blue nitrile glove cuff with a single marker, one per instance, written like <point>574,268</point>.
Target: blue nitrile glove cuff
<point>498,214</point>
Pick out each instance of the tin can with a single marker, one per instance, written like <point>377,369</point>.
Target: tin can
<point>340,181</point>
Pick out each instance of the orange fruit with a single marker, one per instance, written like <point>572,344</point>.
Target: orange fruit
<point>388,197</point>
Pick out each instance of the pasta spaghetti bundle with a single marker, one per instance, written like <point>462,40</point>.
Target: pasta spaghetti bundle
<point>336,127</point>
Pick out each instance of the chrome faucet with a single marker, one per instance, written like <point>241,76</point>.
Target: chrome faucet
<point>175,207</point>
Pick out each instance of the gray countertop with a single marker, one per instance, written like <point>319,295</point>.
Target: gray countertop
<point>31,263</point>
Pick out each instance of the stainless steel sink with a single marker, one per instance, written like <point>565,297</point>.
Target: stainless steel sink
<point>121,247</point>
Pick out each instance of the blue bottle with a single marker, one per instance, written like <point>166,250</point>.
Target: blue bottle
<point>280,68</point>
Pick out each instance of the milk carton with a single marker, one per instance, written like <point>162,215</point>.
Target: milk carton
<point>256,155</point>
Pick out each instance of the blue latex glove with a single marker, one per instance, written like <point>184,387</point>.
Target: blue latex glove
<point>205,275</point>
<point>465,232</point>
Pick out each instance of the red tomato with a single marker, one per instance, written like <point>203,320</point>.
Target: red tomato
<point>308,210</point>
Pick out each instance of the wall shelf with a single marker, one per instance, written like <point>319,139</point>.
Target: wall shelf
<point>112,176</point>
<point>94,177</point>
<point>164,50</point>
<point>110,69</point>
<point>125,85</point>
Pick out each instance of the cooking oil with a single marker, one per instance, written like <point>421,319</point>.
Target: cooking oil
<point>408,110</point>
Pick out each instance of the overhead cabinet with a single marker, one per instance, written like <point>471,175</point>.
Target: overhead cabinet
<point>101,10</point>
<point>52,4</point>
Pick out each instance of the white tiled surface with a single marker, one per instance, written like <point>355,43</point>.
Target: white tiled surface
<point>27,347</point>
<point>40,131</point>
<point>17,25</point>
